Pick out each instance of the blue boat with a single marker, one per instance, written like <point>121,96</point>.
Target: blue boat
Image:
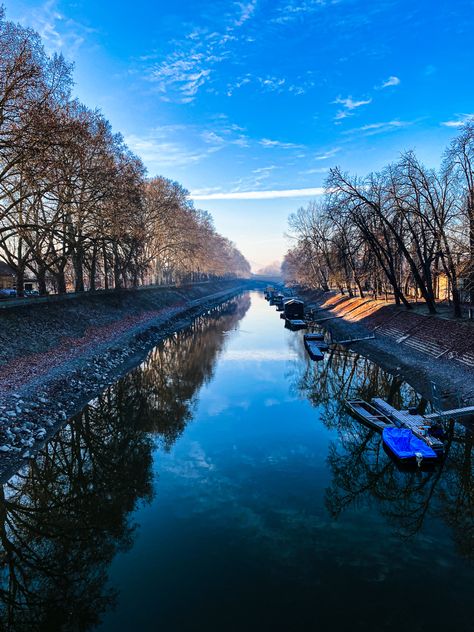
<point>406,446</point>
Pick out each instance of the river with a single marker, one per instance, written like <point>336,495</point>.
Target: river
<point>222,486</point>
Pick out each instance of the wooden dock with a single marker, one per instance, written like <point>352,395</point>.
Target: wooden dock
<point>454,413</point>
<point>418,424</point>
<point>350,340</point>
<point>323,320</point>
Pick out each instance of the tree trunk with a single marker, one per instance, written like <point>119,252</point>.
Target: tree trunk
<point>117,276</point>
<point>78,264</point>
<point>106,266</point>
<point>456,298</point>
<point>61,282</point>
<point>93,270</point>
<point>41,278</point>
<point>471,247</point>
<point>20,281</point>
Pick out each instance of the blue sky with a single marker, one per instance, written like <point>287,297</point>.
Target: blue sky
<point>248,104</point>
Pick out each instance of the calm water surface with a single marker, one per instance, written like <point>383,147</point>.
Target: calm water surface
<point>221,486</point>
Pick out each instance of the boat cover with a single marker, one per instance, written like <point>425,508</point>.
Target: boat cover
<point>405,445</point>
<point>314,350</point>
<point>314,336</point>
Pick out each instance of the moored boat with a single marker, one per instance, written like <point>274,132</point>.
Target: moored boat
<point>314,336</point>
<point>419,425</point>
<point>295,323</point>
<point>368,414</point>
<point>314,350</point>
<point>407,447</point>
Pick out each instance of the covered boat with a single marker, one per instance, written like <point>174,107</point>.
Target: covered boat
<point>315,345</point>
<point>419,425</point>
<point>314,336</point>
<point>406,446</point>
<point>294,324</point>
<point>314,350</point>
<point>294,309</point>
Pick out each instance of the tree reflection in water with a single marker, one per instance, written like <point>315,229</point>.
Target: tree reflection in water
<point>65,516</point>
<point>361,470</point>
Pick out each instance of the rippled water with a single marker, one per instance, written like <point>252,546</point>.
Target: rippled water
<point>221,486</point>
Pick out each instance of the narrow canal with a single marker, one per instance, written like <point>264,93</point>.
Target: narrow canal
<point>221,486</point>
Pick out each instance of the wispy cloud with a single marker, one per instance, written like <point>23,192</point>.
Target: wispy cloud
<point>349,104</point>
<point>192,63</point>
<point>180,75</point>
<point>247,9</point>
<point>163,147</point>
<point>239,83</point>
<point>265,170</point>
<point>259,195</point>
<point>181,145</point>
<point>391,81</point>
<point>58,32</point>
<point>314,171</point>
<point>378,128</point>
<point>293,10</point>
<point>328,154</point>
<point>459,121</point>
<point>267,142</point>
<point>272,84</point>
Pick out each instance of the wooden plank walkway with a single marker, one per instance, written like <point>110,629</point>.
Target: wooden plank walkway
<point>454,413</point>
<point>349,340</point>
<point>322,320</point>
<point>418,424</point>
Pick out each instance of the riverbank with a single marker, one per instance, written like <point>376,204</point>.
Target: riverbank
<point>421,348</point>
<point>54,358</point>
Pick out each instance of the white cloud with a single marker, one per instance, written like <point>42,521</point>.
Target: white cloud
<point>181,76</point>
<point>242,81</point>
<point>349,105</point>
<point>328,154</point>
<point>247,10</point>
<point>162,148</point>
<point>265,170</point>
<point>181,145</point>
<point>378,128</point>
<point>459,121</point>
<point>315,170</point>
<point>58,32</point>
<point>391,81</point>
<point>293,10</point>
<point>191,65</point>
<point>259,195</point>
<point>211,138</point>
<point>272,84</point>
<point>267,142</point>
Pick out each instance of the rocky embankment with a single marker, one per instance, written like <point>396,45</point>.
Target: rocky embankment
<point>54,357</point>
<point>420,348</point>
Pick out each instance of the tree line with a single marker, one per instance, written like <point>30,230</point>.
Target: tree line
<point>406,231</point>
<point>76,208</point>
